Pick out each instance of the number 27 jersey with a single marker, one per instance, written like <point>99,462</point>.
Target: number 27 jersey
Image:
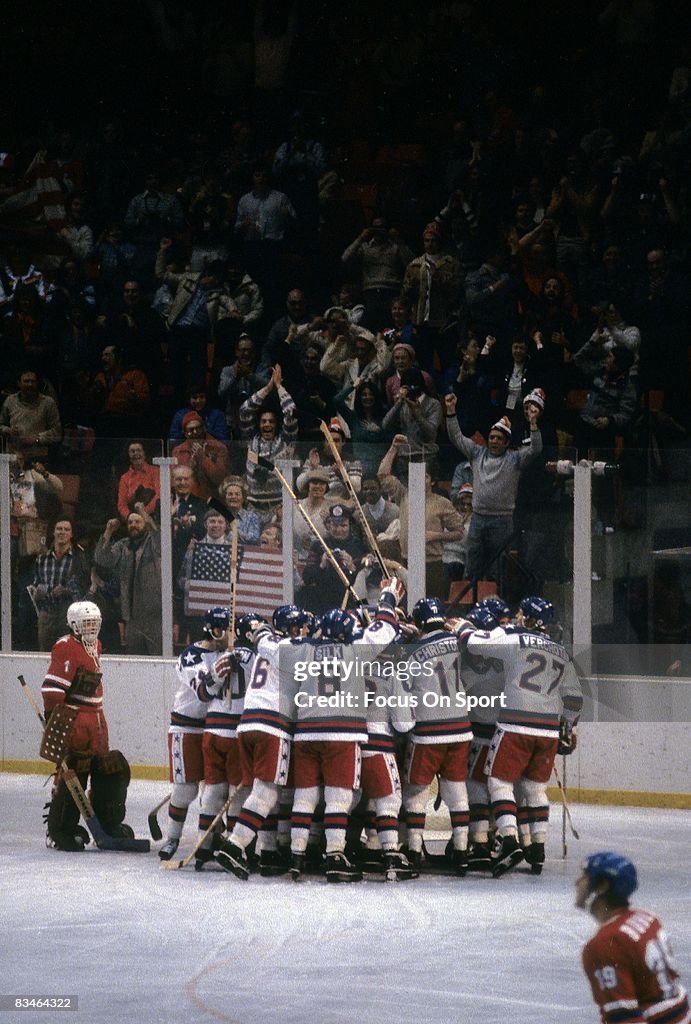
<point>540,685</point>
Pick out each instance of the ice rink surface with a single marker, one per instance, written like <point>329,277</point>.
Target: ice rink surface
<point>137,943</point>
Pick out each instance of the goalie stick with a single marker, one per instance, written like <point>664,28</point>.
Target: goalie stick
<point>100,836</point>
<point>32,700</point>
<point>174,865</point>
<point>154,827</point>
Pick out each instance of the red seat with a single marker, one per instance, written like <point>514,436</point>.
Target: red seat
<point>485,588</point>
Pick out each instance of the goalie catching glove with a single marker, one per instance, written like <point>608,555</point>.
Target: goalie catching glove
<point>567,737</point>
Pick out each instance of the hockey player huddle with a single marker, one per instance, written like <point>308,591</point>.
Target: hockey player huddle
<point>336,780</point>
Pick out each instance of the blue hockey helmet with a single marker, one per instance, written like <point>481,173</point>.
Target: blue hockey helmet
<point>539,609</point>
<point>498,608</point>
<point>337,624</point>
<point>216,618</point>
<point>313,623</point>
<point>429,613</point>
<point>287,617</point>
<point>246,624</point>
<point>483,618</point>
<point>614,868</point>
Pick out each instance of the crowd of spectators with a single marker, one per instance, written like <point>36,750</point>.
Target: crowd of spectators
<point>448,216</point>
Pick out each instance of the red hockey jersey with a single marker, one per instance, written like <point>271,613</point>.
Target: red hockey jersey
<point>632,974</point>
<point>66,656</point>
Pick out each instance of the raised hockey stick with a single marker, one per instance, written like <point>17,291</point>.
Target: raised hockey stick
<point>174,865</point>
<point>567,812</point>
<point>32,700</point>
<point>371,539</point>
<point>233,580</point>
<point>259,460</point>
<point>154,827</point>
<point>100,836</point>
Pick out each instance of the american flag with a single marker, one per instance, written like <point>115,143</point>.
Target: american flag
<point>259,585</point>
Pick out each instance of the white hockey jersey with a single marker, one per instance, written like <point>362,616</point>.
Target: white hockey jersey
<point>440,711</point>
<point>342,682</point>
<point>483,677</point>
<point>265,707</point>
<point>192,698</point>
<point>540,685</point>
<point>223,713</point>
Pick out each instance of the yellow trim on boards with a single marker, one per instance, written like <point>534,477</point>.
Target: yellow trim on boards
<point>139,771</point>
<point>576,795</point>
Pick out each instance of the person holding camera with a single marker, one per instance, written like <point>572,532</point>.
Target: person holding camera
<point>414,413</point>
<point>381,256</point>
<point>138,483</point>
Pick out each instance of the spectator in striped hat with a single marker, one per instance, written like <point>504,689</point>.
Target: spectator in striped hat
<point>496,474</point>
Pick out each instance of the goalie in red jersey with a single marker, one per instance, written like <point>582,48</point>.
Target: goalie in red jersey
<point>77,733</point>
<point>628,961</point>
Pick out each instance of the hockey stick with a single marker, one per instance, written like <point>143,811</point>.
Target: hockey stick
<point>564,845</point>
<point>173,865</point>
<point>100,836</point>
<point>154,827</point>
<point>562,794</point>
<point>371,539</point>
<point>259,460</point>
<point>233,579</point>
<point>32,700</point>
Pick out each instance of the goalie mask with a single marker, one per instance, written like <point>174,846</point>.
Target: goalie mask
<point>84,619</point>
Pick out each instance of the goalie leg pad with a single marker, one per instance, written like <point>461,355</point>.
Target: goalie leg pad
<point>62,821</point>
<point>110,777</point>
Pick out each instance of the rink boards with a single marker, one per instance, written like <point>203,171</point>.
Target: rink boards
<point>640,756</point>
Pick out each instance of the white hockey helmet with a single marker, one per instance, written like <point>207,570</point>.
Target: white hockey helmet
<point>84,619</point>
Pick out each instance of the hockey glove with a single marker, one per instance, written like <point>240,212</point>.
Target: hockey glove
<point>567,738</point>
<point>208,687</point>
<point>395,587</point>
<point>222,667</point>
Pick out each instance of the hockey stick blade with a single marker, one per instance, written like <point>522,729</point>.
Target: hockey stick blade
<point>218,506</point>
<point>154,827</point>
<point>175,865</point>
<point>259,460</point>
<point>105,842</point>
<point>100,836</point>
